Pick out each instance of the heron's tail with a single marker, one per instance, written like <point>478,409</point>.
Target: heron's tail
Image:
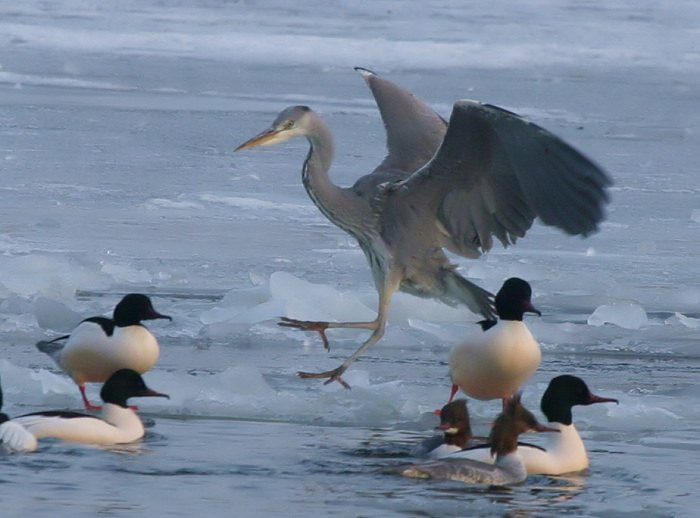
<point>52,347</point>
<point>462,291</point>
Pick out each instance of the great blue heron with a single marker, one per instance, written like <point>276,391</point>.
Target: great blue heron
<point>488,173</point>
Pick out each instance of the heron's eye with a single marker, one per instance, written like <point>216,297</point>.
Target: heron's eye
<point>287,124</point>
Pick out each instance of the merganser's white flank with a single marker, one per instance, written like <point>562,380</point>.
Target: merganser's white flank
<point>495,363</point>
<point>508,467</point>
<point>119,423</point>
<point>13,436</point>
<point>100,346</point>
<point>565,451</point>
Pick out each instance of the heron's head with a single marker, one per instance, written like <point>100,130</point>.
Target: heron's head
<point>291,122</point>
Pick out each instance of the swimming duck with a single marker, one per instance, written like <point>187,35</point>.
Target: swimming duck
<point>565,451</point>
<point>503,440</point>
<point>495,363</point>
<point>99,346</point>
<point>13,436</point>
<point>456,428</point>
<point>119,423</point>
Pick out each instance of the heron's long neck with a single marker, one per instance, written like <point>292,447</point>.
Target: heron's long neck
<point>333,201</point>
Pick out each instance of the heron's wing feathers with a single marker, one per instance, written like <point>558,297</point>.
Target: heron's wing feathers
<point>495,172</point>
<point>413,130</point>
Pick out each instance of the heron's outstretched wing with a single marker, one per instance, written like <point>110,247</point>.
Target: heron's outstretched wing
<point>493,174</point>
<point>413,130</point>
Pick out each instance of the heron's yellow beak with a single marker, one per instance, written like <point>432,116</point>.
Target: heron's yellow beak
<point>266,138</point>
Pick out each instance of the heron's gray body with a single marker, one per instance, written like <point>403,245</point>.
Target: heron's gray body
<point>488,173</point>
<point>392,232</point>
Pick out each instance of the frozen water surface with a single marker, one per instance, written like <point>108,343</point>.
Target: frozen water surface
<point>117,125</point>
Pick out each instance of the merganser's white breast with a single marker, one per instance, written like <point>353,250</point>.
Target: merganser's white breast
<point>564,453</point>
<point>118,425</point>
<point>90,355</point>
<point>495,363</point>
<point>15,438</point>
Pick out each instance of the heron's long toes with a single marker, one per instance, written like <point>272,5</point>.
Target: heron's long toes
<point>339,380</point>
<point>332,375</point>
<point>308,325</point>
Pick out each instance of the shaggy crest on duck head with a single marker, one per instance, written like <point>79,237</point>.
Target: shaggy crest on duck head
<point>514,420</point>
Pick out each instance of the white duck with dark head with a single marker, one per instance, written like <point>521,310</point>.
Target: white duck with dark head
<point>13,436</point>
<point>564,452</point>
<point>495,363</point>
<point>119,423</point>
<point>99,346</point>
<point>508,467</point>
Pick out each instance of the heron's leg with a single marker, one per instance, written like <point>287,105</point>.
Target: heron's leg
<point>391,284</point>
<point>321,326</point>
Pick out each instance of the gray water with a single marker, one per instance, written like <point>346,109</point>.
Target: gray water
<point>117,125</point>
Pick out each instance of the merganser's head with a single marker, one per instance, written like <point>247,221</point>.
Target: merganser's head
<point>513,300</point>
<point>134,308</point>
<point>454,422</point>
<point>125,384</point>
<point>514,420</point>
<point>564,392</point>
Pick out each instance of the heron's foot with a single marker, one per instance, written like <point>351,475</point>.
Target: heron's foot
<point>307,325</point>
<point>332,375</point>
<point>92,408</point>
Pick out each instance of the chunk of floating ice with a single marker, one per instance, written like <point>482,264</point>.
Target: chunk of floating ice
<point>235,385</point>
<point>303,298</point>
<point>628,315</point>
<point>692,323</point>
<point>439,331</point>
<point>52,314</point>
<point>32,274</point>
<point>53,384</point>
<point>405,307</point>
<point>290,296</point>
<point>125,273</point>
